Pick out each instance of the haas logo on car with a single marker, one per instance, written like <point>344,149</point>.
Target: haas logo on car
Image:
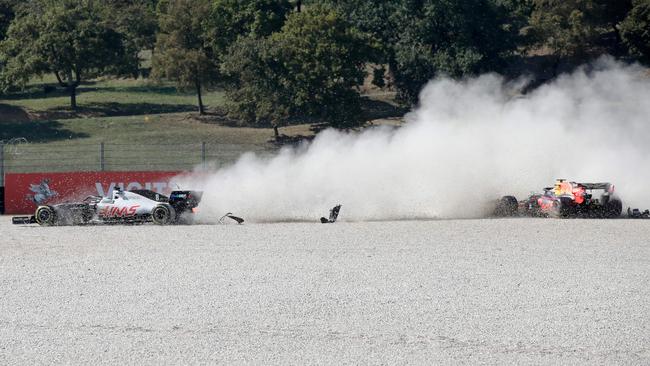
<point>113,211</point>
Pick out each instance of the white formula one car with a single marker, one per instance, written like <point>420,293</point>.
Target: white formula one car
<point>137,206</point>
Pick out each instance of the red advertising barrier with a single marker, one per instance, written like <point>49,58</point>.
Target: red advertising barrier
<point>23,192</point>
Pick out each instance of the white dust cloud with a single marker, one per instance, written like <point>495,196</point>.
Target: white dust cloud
<point>468,143</point>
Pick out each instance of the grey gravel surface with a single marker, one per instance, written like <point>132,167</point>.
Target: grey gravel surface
<point>515,291</point>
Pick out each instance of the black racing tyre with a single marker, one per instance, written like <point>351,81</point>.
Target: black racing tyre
<point>162,215</point>
<point>556,210</point>
<point>506,206</point>
<point>613,208</point>
<point>564,208</point>
<point>45,216</point>
<point>86,216</point>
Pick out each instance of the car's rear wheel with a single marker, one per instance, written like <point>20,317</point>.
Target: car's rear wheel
<point>45,216</point>
<point>162,215</point>
<point>555,211</point>
<point>506,206</point>
<point>86,216</point>
<point>563,208</point>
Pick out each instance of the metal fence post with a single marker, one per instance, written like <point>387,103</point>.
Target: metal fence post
<point>2,177</point>
<point>2,164</point>
<point>101,156</point>
<point>203,154</point>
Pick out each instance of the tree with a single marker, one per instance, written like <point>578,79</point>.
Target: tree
<point>419,39</point>
<point>517,14</point>
<point>137,21</point>
<point>374,18</point>
<point>578,29</point>
<point>7,14</point>
<point>254,92</point>
<point>183,53</point>
<point>451,37</point>
<point>231,19</point>
<point>635,30</point>
<point>310,68</point>
<point>613,12</point>
<point>370,16</point>
<point>64,37</point>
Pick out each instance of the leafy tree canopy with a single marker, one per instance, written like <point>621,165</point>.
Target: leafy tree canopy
<point>7,14</point>
<point>375,19</point>
<point>230,19</point>
<point>452,37</point>
<point>182,52</point>
<point>137,21</point>
<point>309,68</point>
<point>635,30</point>
<point>576,28</point>
<point>64,37</point>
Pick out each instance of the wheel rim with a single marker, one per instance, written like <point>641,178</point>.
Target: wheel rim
<point>44,215</point>
<point>160,214</point>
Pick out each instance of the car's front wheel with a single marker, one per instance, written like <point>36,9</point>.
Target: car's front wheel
<point>45,216</point>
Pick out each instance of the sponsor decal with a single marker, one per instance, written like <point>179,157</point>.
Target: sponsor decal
<point>24,192</point>
<point>159,187</point>
<point>114,211</point>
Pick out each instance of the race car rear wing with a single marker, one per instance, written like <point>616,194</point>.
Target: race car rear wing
<point>590,186</point>
<point>607,187</point>
<point>594,186</point>
<point>183,201</point>
<point>186,195</point>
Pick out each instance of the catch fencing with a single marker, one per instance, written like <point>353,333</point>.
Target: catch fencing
<point>20,156</point>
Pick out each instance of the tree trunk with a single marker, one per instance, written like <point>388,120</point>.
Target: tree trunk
<point>71,85</point>
<point>73,96</point>
<point>198,94</point>
<point>298,6</point>
<point>276,132</point>
<point>619,47</point>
